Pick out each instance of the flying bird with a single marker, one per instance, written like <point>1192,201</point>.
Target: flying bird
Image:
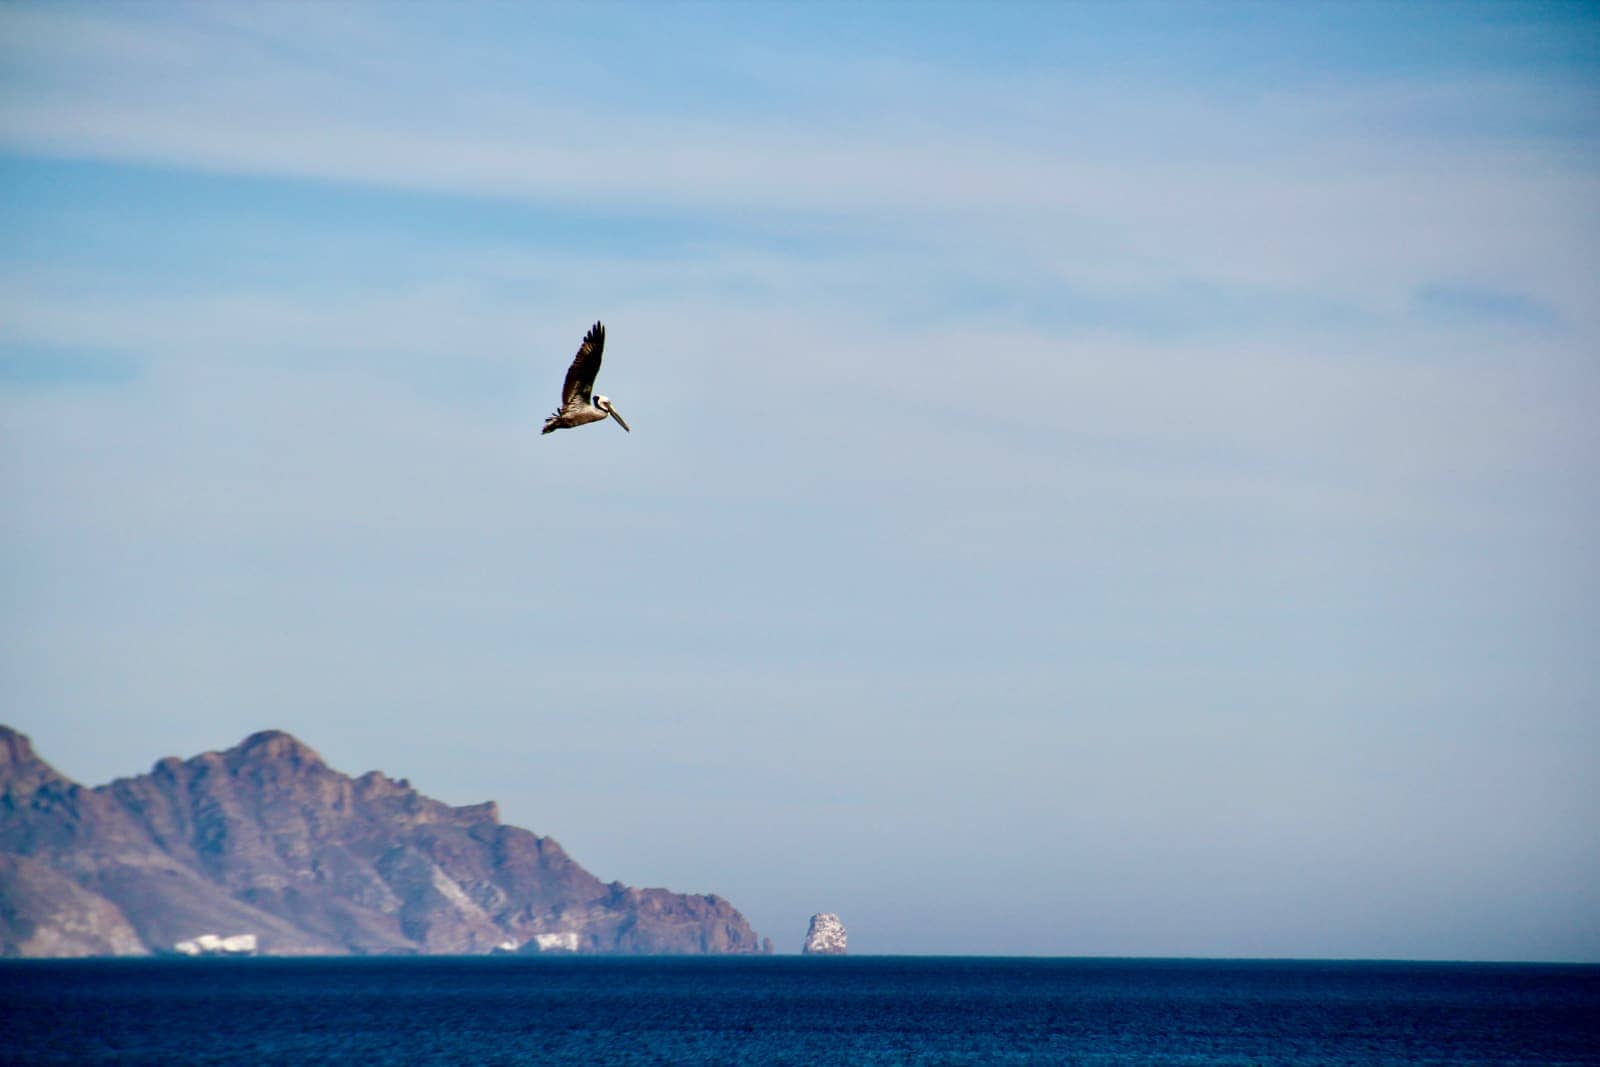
<point>579,402</point>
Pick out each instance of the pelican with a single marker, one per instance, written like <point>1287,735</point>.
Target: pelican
<point>577,405</point>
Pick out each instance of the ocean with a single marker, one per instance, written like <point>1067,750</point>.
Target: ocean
<point>795,1010</point>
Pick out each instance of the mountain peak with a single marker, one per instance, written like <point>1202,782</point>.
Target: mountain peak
<point>15,748</point>
<point>21,769</point>
<point>267,745</point>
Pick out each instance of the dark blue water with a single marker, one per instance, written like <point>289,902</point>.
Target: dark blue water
<point>796,1011</point>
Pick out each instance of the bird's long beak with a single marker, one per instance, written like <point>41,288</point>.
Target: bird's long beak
<point>614,415</point>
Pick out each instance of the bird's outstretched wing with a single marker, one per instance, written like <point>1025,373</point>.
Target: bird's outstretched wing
<point>585,367</point>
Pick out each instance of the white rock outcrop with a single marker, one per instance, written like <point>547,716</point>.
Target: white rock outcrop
<point>212,945</point>
<point>566,942</point>
<point>826,936</point>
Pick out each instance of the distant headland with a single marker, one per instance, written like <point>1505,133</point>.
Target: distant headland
<point>265,849</point>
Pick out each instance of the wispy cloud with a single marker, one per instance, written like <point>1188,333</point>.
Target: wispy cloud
<point>31,365</point>
<point>1478,304</point>
<point>1313,186</point>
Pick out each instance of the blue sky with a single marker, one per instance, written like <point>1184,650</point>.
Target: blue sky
<point>1106,479</point>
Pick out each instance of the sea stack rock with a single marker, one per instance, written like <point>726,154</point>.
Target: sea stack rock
<point>826,936</point>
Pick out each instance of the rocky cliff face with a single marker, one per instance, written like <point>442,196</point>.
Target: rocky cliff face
<point>826,936</point>
<point>266,839</point>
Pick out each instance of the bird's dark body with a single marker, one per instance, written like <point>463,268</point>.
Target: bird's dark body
<point>568,418</point>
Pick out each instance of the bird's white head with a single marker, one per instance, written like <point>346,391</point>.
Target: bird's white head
<point>604,404</point>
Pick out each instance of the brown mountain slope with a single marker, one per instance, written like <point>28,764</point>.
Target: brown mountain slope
<point>267,839</point>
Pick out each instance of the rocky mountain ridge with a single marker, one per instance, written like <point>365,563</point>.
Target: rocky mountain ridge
<point>265,839</point>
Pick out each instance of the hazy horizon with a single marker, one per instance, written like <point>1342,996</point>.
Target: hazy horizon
<point>1104,480</point>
